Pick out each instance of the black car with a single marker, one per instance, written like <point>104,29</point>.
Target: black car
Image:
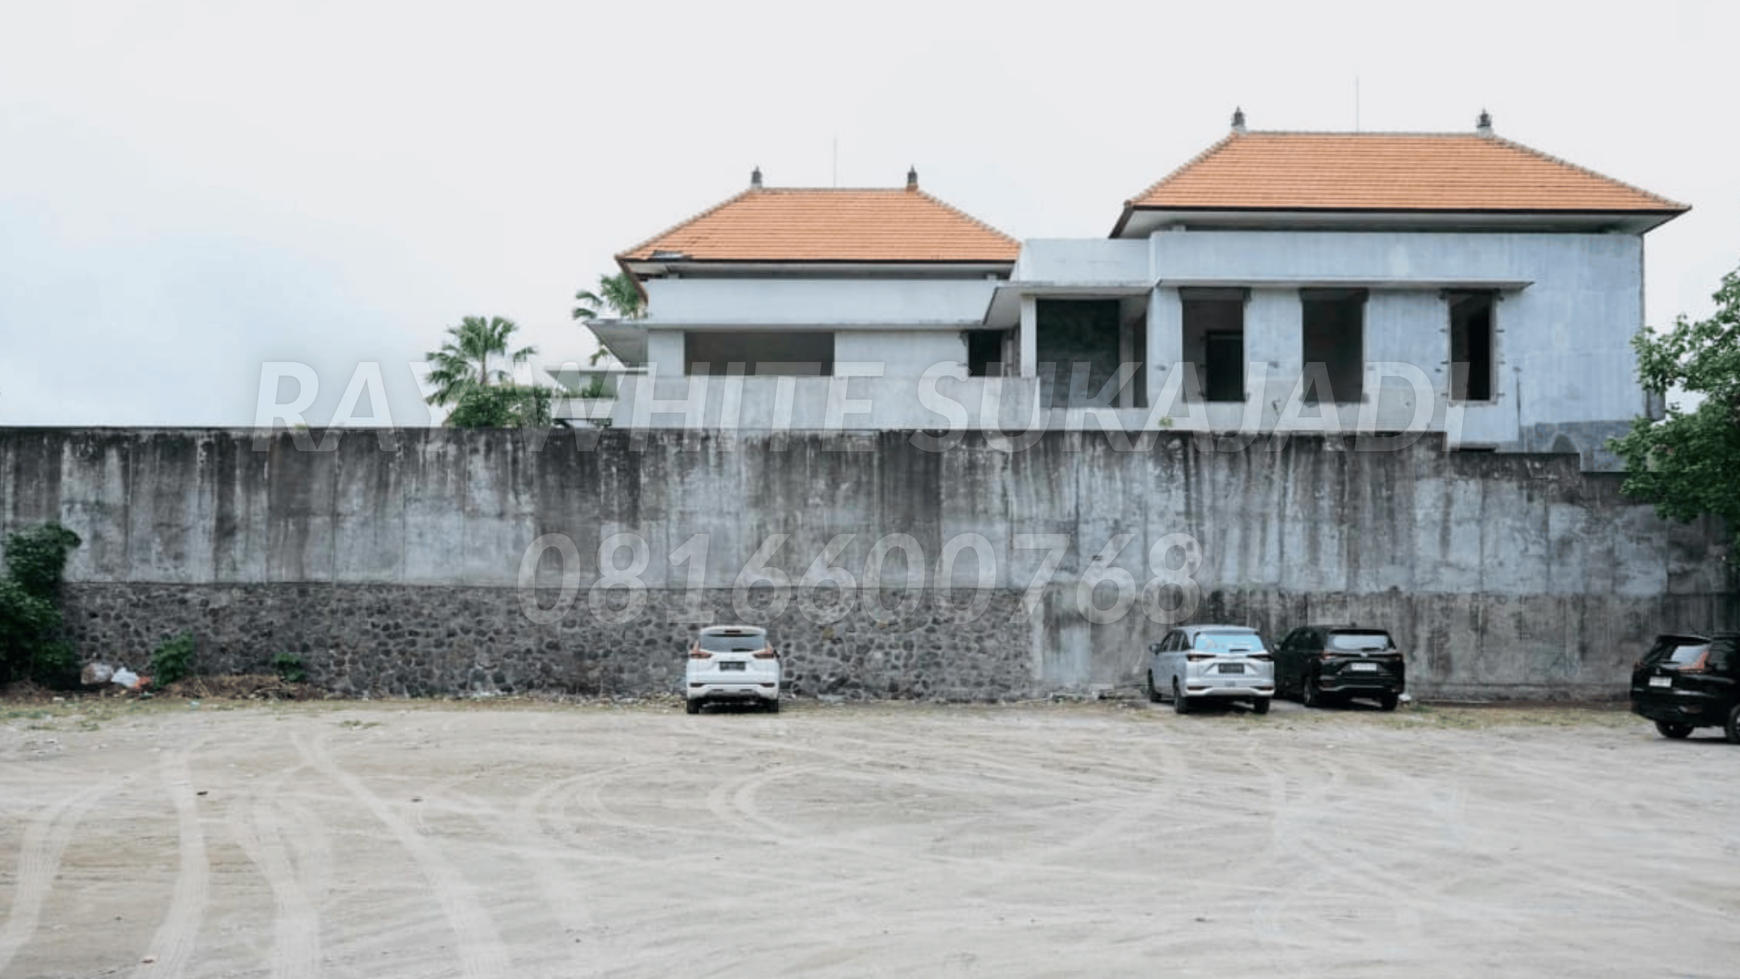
<point>1687,682</point>
<point>1327,664</point>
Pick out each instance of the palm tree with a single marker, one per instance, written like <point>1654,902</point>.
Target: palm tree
<point>464,360</point>
<point>618,293</point>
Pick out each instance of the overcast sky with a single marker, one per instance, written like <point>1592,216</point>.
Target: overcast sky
<point>188,190</point>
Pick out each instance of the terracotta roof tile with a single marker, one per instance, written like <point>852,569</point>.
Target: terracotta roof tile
<point>831,225</point>
<point>1389,172</point>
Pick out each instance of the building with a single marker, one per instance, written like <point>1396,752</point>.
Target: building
<point>1279,281</point>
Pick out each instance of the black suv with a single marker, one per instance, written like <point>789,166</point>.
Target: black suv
<point>1685,682</point>
<point>1326,664</point>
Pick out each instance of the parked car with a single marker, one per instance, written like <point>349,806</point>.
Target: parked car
<point>1323,665</point>
<point>1687,682</point>
<point>1204,663</point>
<point>732,664</point>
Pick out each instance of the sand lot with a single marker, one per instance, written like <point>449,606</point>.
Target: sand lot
<point>520,839</point>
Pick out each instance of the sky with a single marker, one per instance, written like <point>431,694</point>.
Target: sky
<point>189,191</point>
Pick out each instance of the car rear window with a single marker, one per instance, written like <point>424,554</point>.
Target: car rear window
<point>732,644</point>
<point>1360,642</point>
<point>1229,642</point>
<point>1684,654</point>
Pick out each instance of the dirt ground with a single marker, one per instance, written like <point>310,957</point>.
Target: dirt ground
<point>388,839</point>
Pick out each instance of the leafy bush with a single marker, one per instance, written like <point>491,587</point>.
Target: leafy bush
<point>36,558</point>
<point>172,660</point>
<point>290,668</point>
<point>29,606</point>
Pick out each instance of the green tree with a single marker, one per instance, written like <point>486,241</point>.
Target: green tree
<point>464,361</point>
<point>618,293</point>
<point>1688,464</point>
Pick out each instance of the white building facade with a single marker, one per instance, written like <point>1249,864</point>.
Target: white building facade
<point>1279,282</point>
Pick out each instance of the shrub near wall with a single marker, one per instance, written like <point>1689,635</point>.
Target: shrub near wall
<point>31,645</point>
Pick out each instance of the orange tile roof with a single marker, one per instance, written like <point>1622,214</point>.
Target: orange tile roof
<point>1389,172</point>
<point>831,225</point>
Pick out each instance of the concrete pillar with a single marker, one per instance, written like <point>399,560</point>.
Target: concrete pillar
<point>1029,336</point>
<point>1126,354</point>
<point>1165,337</point>
<point>1274,348</point>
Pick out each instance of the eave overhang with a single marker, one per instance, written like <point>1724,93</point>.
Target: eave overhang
<point>812,268</point>
<point>1140,222</point>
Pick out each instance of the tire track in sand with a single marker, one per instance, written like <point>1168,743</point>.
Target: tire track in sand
<point>295,863</point>
<point>44,844</point>
<point>177,936</point>
<point>481,952</point>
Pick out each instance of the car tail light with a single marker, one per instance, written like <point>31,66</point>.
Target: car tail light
<point>699,653</point>
<point>1197,657</point>
<point>1261,657</point>
<point>768,653</point>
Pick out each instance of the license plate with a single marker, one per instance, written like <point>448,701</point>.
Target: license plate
<point>1232,667</point>
<point>1661,681</point>
<point>1364,667</point>
<point>727,667</point>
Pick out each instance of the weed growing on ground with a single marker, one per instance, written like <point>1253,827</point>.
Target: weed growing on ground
<point>172,660</point>
<point>290,667</point>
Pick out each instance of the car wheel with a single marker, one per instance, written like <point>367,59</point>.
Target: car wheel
<point>1260,705</point>
<point>1388,701</point>
<point>1153,694</point>
<point>1309,695</point>
<point>1669,729</point>
<point>1180,703</point>
<point>1732,728</point>
<point>773,706</point>
<point>692,706</point>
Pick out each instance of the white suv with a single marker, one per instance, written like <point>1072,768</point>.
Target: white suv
<point>1204,663</point>
<point>732,663</point>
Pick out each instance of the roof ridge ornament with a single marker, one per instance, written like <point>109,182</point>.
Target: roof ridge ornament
<point>1238,123</point>
<point>912,178</point>
<point>1483,125</point>
<point>755,177</point>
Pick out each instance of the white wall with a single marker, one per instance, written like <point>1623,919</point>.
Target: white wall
<point>903,353</point>
<point>1566,336</point>
<point>774,301</point>
<point>1562,353</point>
<point>1089,261</point>
<point>906,353</point>
<point>664,351</point>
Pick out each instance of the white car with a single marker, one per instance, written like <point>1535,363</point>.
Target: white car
<point>1202,663</point>
<point>732,663</point>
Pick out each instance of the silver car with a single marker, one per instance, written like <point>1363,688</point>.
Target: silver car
<point>1202,663</point>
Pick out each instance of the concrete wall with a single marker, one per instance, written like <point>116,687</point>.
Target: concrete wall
<point>395,560</point>
<point>898,353</point>
<point>772,300</point>
<point>1075,261</point>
